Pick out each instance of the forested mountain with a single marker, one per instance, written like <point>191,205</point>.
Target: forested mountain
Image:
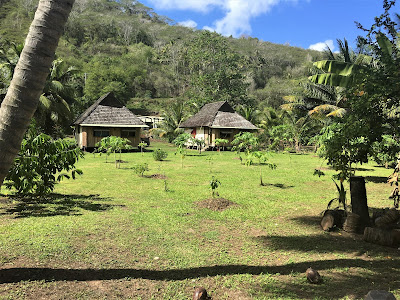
<point>149,61</point>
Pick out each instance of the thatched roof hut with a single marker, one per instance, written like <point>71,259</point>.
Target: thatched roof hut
<point>216,120</point>
<point>108,111</point>
<point>107,116</point>
<point>218,115</point>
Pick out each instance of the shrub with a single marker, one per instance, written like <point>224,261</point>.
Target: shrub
<point>113,144</point>
<point>214,184</point>
<point>41,162</point>
<point>139,169</point>
<point>159,154</point>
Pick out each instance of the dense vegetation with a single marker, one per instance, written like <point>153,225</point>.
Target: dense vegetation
<point>158,67</point>
<point>148,61</point>
<point>139,238</point>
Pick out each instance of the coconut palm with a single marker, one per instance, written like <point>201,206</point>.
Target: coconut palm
<point>58,94</point>
<point>173,117</point>
<point>250,113</point>
<point>54,108</point>
<point>29,77</point>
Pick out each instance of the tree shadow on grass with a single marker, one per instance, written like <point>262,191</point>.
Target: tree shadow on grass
<point>376,179</point>
<point>278,185</point>
<point>312,221</point>
<point>54,205</point>
<point>346,283</point>
<point>363,169</point>
<point>326,243</point>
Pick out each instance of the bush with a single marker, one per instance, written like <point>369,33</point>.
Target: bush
<point>386,151</point>
<point>39,164</point>
<point>159,154</point>
<point>139,169</point>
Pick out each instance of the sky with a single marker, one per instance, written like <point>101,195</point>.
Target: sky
<point>309,24</point>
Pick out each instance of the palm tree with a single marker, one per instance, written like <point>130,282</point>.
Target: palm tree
<point>29,77</point>
<point>58,94</point>
<point>173,117</point>
<point>250,113</point>
<point>326,100</point>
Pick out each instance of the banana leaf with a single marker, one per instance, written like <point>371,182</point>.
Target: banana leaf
<point>332,79</point>
<point>336,67</point>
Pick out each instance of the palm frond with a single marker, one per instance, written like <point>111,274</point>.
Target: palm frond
<point>344,49</point>
<point>329,110</point>
<point>292,106</point>
<point>328,53</point>
<point>45,102</point>
<point>323,92</point>
<point>55,87</point>
<point>340,112</point>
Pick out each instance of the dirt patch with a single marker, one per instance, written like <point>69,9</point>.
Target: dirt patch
<point>158,176</point>
<point>216,204</point>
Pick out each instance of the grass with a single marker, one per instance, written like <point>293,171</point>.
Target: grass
<point>113,234</point>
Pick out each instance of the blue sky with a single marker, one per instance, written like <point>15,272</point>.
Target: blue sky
<point>300,23</point>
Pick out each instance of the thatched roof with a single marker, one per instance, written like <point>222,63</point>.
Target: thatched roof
<point>218,115</point>
<point>108,111</point>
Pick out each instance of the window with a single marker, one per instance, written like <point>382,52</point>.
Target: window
<point>101,132</point>
<point>225,134</point>
<point>128,133</point>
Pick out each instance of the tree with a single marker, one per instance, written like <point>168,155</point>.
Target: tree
<point>372,97</point>
<point>298,126</point>
<point>29,77</point>
<point>247,142</point>
<point>54,112</point>
<point>180,142</point>
<point>173,117</point>
<point>113,144</point>
<point>216,73</point>
<point>219,143</point>
<point>55,106</point>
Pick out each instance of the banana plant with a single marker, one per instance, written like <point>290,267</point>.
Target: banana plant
<point>347,73</point>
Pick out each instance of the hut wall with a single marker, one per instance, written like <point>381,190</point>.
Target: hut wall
<point>87,138</point>
<point>81,136</point>
<point>200,134</point>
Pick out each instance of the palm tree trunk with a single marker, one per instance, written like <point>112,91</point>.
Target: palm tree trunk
<point>29,78</point>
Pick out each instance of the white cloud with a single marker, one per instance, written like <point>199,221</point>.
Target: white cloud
<point>188,23</point>
<point>208,28</point>
<point>322,46</point>
<point>238,13</point>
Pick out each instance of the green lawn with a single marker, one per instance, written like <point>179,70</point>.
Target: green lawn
<point>112,234</point>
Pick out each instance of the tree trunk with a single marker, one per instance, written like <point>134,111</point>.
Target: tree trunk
<point>29,78</point>
<point>359,204</point>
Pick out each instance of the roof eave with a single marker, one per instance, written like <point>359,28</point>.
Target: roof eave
<point>233,127</point>
<point>111,125</point>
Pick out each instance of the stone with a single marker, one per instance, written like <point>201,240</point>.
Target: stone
<point>379,295</point>
<point>200,293</point>
<point>313,276</point>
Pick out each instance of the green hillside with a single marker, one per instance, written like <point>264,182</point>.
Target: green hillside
<point>127,48</point>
